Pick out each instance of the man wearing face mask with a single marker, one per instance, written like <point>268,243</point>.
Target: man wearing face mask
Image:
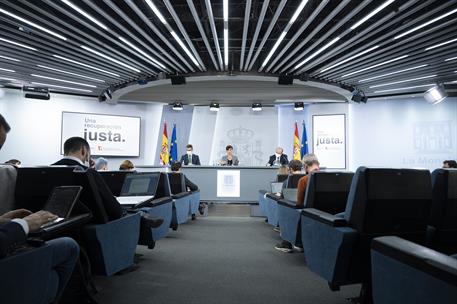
<point>189,158</point>
<point>76,151</point>
<point>279,158</point>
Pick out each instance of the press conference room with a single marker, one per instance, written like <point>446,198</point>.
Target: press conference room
<point>228,151</point>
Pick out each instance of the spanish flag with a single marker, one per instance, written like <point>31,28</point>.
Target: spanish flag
<point>164,154</point>
<point>297,146</point>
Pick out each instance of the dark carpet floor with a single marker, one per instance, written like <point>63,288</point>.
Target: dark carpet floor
<point>219,259</point>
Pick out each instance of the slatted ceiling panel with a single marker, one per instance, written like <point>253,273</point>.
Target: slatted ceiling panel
<point>127,41</point>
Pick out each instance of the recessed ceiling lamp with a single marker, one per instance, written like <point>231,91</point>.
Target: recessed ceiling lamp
<point>299,106</point>
<point>110,58</point>
<point>401,81</point>
<point>405,88</point>
<point>69,73</point>
<point>91,18</point>
<point>425,24</point>
<point>317,52</point>
<point>440,44</point>
<point>350,58</point>
<point>375,66</point>
<point>214,107</point>
<point>7,70</point>
<point>9,58</point>
<point>153,61</point>
<point>18,44</point>
<point>62,80</point>
<point>61,87</point>
<point>177,106</point>
<point>374,12</point>
<point>452,58</point>
<point>226,37</point>
<point>256,106</point>
<point>32,24</point>
<point>85,65</point>
<point>393,73</point>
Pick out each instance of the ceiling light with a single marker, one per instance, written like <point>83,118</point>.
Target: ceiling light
<point>177,106</point>
<point>318,52</point>
<point>183,46</point>
<point>155,62</point>
<point>62,80</point>
<point>7,70</point>
<point>61,87</point>
<point>214,107</point>
<point>156,11</point>
<point>377,10</point>
<point>435,95</point>
<point>18,44</point>
<point>401,81</point>
<point>449,59</point>
<point>299,106</point>
<point>33,24</point>
<point>85,65</point>
<point>9,58</point>
<point>393,73</point>
<point>91,18</point>
<point>8,79</point>
<point>425,24</point>
<point>69,73</point>
<point>405,88</point>
<point>284,33</point>
<point>256,106</point>
<point>110,58</point>
<point>226,33</point>
<point>350,58</point>
<point>375,66</point>
<point>441,44</point>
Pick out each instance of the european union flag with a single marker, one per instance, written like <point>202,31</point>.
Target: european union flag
<point>304,143</point>
<point>173,146</point>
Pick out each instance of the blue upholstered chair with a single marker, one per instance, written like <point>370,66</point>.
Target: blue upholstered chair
<point>325,191</point>
<point>271,200</point>
<point>405,272</point>
<point>292,180</point>
<point>160,208</point>
<point>111,246</point>
<point>181,198</point>
<point>263,202</point>
<point>27,276</point>
<point>381,202</point>
<point>443,218</point>
<point>194,201</point>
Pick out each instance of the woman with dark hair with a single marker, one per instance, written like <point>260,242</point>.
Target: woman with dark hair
<point>449,164</point>
<point>127,165</point>
<point>229,159</point>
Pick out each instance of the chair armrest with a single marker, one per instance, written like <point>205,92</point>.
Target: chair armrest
<point>289,204</point>
<point>422,258</point>
<point>180,195</point>
<point>324,217</point>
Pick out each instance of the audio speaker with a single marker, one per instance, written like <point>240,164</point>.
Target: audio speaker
<point>177,80</point>
<point>286,79</point>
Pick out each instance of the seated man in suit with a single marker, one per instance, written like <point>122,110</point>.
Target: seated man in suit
<point>190,158</point>
<point>15,226</point>
<point>76,151</point>
<point>279,158</point>
<point>190,186</point>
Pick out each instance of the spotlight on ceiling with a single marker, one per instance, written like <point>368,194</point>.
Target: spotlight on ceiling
<point>256,106</point>
<point>299,106</point>
<point>178,80</point>
<point>286,79</point>
<point>359,96</point>
<point>177,106</point>
<point>214,106</point>
<point>436,94</point>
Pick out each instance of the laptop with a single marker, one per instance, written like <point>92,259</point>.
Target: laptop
<point>276,187</point>
<point>139,188</point>
<point>61,203</point>
<point>290,194</point>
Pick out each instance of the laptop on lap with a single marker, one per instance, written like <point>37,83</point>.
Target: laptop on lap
<point>139,188</point>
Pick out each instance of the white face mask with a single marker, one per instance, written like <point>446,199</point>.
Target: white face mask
<point>277,155</point>
<point>189,153</point>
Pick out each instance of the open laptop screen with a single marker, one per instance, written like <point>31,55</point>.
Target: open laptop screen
<point>140,184</point>
<point>62,200</point>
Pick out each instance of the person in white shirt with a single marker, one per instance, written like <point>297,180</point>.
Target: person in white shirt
<point>279,158</point>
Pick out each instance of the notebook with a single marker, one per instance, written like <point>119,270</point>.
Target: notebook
<point>61,203</point>
<point>139,188</point>
<point>276,187</point>
<point>290,194</point>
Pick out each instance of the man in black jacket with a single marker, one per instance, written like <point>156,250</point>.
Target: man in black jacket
<point>190,158</point>
<point>76,151</point>
<point>16,225</point>
<point>279,158</point>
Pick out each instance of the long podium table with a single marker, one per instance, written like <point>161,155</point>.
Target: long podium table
<point>225,183</point>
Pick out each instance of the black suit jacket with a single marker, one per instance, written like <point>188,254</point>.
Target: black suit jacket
<point>190,185</point>
<point>69,162</point>
<point>195,160</point>
<point>283,159</point>
<point>11,236</point>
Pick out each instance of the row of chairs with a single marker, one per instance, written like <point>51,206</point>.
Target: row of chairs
<point>411,215</point>
<point>110,244</point>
